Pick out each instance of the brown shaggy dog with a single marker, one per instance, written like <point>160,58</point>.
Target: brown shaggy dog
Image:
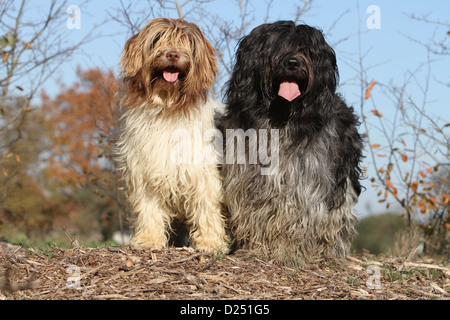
<point>168,166</point>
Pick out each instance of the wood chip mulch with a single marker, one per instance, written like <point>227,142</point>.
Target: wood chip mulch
<point>122,273</point>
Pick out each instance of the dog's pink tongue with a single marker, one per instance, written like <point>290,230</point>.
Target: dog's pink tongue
<point>289,90</point>
<point>170,76</point>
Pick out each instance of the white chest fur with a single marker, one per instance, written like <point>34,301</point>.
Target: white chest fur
<point>162,147</point>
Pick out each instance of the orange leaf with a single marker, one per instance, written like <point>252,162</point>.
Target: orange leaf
<point>374,146</point>
<point>377,113</point>
<point>18,158</point>
<point>414,185</point>
<point>389,183</point>
<point>369,90</point>
<point>5,56</point>
<point>430,171</point>
<point>390,167</point>
<point>4,172</point>
<point>422,206</point>
<point>404,158</point>
<point>446,198</point>
<point>404,142</point>
<point>422,174</point>
<point>27,44</point>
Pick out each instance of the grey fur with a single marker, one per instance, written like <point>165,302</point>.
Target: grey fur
<point>285,215</point>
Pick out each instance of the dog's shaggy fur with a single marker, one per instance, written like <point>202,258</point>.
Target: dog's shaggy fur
<point>168,168</point>
<point>285,78</point>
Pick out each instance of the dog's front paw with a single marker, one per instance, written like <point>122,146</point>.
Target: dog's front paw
<point>148,242</point>
<point>218,246</point>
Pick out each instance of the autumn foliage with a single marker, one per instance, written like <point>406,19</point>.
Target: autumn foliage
<point>82,117</point>
<point>410,174</point>
<point>60,173</point>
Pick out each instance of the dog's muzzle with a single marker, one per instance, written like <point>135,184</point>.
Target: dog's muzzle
<point>289,89</point>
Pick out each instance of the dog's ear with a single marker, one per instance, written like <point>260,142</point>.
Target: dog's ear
<point>250,69</point>
<point>323,58</point>
<point>132,56</point>
<point>140,45</point>
<point>205,63</point>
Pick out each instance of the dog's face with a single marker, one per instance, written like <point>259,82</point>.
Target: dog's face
<point>283,67</point>
<point>170,61</point>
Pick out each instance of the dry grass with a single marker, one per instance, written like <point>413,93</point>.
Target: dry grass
<point>121,273</point>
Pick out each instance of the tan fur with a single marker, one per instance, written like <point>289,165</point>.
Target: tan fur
<point>168,166</point>
<point>144,54</point>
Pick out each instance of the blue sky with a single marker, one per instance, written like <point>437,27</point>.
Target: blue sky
<point>388,43</point>
<point>389,51</point>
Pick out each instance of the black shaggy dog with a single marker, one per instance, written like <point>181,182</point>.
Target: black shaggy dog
<point>283,90</point>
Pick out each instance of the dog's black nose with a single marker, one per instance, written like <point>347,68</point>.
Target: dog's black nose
<point>292,63</point>
<point>173,56</point>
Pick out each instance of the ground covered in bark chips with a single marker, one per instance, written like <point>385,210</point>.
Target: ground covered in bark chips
<point>120,273</point>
